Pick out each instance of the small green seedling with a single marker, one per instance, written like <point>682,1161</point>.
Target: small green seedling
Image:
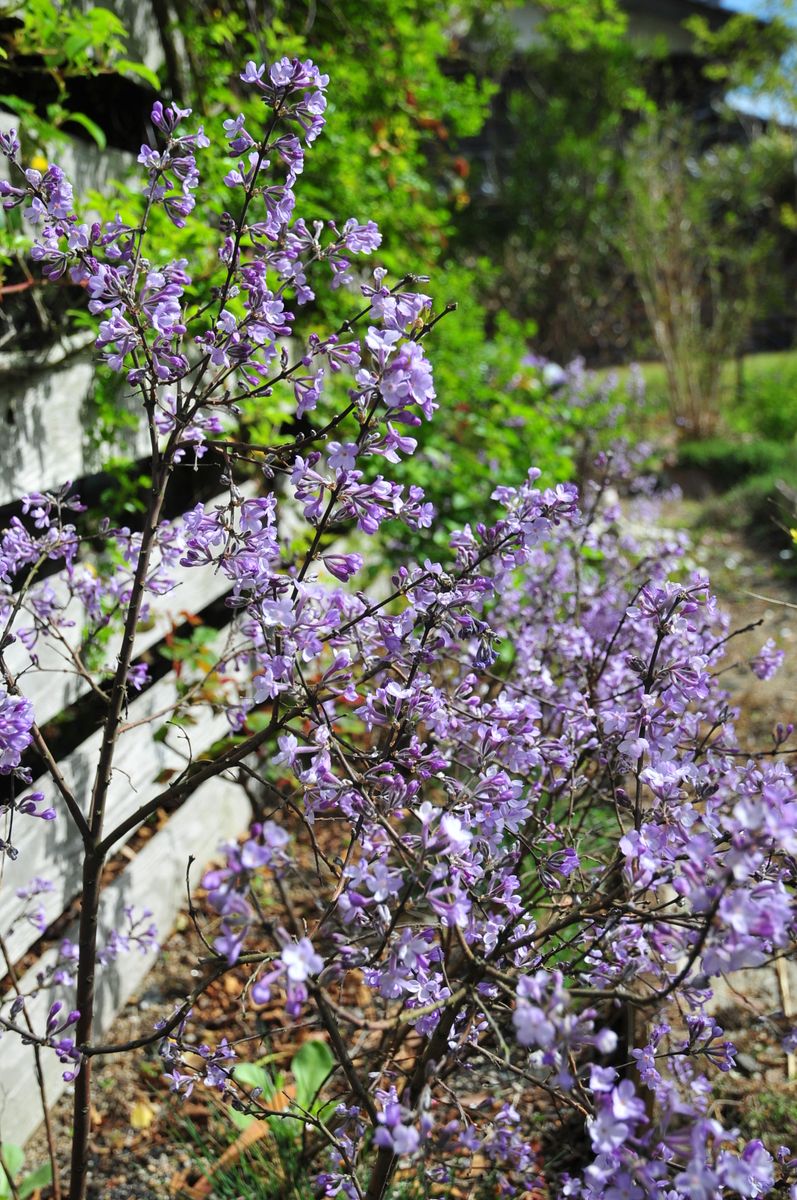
<point>310,1067</point>
<point>11,1160</point>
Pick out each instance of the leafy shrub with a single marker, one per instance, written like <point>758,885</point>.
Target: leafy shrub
<point>757,480</point>
<point>761,506</point>
<point>506,824</point>
<point>511,407</point>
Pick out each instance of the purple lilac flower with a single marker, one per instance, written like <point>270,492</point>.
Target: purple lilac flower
<point>16,721</point>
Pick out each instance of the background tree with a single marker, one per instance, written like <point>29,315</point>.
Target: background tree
<point>696,242</point>
<point>548,179</point>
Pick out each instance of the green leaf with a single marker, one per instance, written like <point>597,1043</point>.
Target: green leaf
<point>310,1067</point>
<point>75,44</point>
<point>126,67</point>
<point>91,127</point>
<point>39,1178</point>
<point>13,1158</point>
<point>105,23</point>
<point>240,1120</point>
<point>255,1076</point>
<point>258,720</point>
<point>21,107</point>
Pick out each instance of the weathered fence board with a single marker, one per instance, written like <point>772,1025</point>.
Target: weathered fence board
<point>42,410</point>
<point>217,811</point>
<point>53,848</point>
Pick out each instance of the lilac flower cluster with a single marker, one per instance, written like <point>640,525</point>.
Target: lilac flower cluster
<point>16,721</point>
<point>544,828</point>
<point>489,803</point>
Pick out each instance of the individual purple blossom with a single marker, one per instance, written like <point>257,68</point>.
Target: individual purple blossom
<point>749,1174</point>
<point>9,144</point>
<point>30,806</point>
<point>179,1083</point>
<point>301,961</point>
<point>559,866</point>
<point>138,676</point>
<point>167,119</point>
<point>361,239</point>
<point>343,566</point>
<point>265,848</point>
<point>532,1026</point>
<point>394,1130</point>
<point>342,456</point>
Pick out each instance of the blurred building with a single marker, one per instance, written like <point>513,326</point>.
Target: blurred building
<point>570,277</point>
<point>647,21</point>
<point>657,30</point>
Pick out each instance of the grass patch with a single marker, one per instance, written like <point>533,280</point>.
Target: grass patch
<point>266,1169</point>
<point>752,459</point>
<point>770,1115</point>
<point>766,406</point>
<point>760,400</point>
<point>730,461</point>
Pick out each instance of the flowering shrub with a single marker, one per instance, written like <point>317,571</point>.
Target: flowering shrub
<point>547,841</point>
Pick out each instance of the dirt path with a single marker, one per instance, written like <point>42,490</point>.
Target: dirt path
<point>750,586</point>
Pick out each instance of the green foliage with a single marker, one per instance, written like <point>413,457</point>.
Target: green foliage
<point>769,1114</point>
<point>260,1172</point>
<point>488,426</point>
<point>310,1067</point>
<point>254,1076</point>
<point>388,152</point>
<point>125,496</point>
<point>194,658</point>
<point>271,1165</point>
<point>191,650</point>
<point>696,241</point>
<point>554,207</point>
<point>584,25</point>
<point>744,50</point>
<point>70,41</point>
<point>753,461</point>
<point>498,417</point>
<point>61,43</point>
<point>761,505</point>
<point>757,484</point>
<point>552,181</point>
<point>404,96</point>
<point>767,405</point>
<point>759,419</point>
<point>727,461</point>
